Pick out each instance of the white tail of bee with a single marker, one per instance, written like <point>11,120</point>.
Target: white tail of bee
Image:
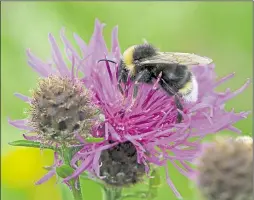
<point>193,95</point>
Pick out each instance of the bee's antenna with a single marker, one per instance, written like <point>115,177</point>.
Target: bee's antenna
<point>106,60</point>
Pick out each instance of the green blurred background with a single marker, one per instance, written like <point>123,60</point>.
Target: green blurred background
<point>220,30</point>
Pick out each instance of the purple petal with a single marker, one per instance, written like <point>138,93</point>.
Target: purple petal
<point>31,138</point>
<point>95,163</point>
<point>46,177</point>
<point>21,124</point>
<point>98,149</point>
<point>109,71</point>
<point>98,33</point>
<point>114,134</point>
<point>115,47</point>
<point>74,160</point>
<point>142,135</point>
<point>182,171</point>
<point>81,140</point>
<point>137,144</point>
<point>221,120</point>
<point>97,47</point>
<point>233,94</point>
<point>42,68</point>
<point>170,183</point>
<point>82,45</point>
<point>198,106</point>
<point>68,45</point>
<point>56,158</point>
<point>73,68</point>
<point>58,59</point>
<point>234,129</point>
<point>23,97</point>
<point>224,79</point>
<point>106,131</point>
<point>84,165</point>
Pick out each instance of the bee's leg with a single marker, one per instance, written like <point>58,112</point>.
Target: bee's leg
<point>122,78</point>
<point>171,92</point>
<point>180,107</point>
<point>144,77</point>
<point>120,88</point>
<point>135,90</point>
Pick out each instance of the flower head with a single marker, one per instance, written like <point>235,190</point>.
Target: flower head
<point>148,123</point>
<point>225,169</point>
<point>61,111</point>
<point>60,108</point>
<point>119,165</point>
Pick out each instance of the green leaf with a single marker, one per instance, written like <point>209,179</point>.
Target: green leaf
<point>93,140</point>
<point>154,183</point>
<point>85,176</point>
<point>67,154</point>
<point>64,171</point>
<point>66,192</point>
<point>155,180</point>
<point>27,143</point>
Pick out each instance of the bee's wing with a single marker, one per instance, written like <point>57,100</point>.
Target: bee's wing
<point>178,58</point>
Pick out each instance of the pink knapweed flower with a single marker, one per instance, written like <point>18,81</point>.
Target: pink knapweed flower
<point>148,123</point>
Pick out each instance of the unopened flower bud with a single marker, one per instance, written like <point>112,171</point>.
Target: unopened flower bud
<point>120,167</point>
<point>225,170</point>
<point>60,108</point>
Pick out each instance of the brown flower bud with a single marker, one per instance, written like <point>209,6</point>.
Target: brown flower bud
<point>225,170</point>
<point>60,108</point>
<point>119,165</point>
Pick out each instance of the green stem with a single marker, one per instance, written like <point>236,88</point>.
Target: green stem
<point>77,194</point>
<point>112,193</point>
<point>139,195</point>
<point>76,190</point>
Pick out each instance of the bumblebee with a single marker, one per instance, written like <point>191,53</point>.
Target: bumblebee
<point>144,63</point>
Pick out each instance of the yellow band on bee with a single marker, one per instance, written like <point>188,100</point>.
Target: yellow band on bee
<point>186,89</point>
<point>128,59</point>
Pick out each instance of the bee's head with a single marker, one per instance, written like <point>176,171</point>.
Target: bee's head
<point>137,53</point>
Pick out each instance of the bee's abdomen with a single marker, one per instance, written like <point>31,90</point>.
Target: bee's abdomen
<point>184,79</point>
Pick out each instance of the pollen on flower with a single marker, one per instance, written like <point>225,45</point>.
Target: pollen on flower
<point>225,170</point>
<point>119,165</point>
<point>61,107</point>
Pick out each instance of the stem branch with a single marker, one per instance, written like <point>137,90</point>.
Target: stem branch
<point>112,193</point>
<point>77,194</point>
<point>67,154</point>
